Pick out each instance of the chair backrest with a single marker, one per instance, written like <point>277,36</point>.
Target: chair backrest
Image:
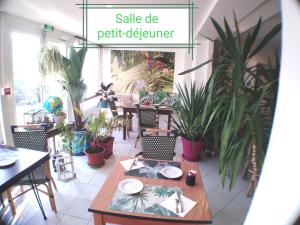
<point>30,139</point>
<point>147,117</point>
<point>113,108</point>
<point>158,147</point>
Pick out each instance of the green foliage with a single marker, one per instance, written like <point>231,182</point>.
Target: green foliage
<point>248,96</point>
<point>100,127</point>
<point>67,134</point>
<point>50,61</point>
<point>70,70</point>
<point>195,112</point>
<point>246,91</point>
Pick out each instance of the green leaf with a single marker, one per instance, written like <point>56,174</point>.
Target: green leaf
<point>266,40</point>
<point>195,68</point>
<point>251,37</point>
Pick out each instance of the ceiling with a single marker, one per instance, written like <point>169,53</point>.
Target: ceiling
<point>66,16</point>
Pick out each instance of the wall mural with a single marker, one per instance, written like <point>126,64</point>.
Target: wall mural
<point>134,71</point>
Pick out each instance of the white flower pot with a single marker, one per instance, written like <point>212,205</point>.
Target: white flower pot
<point>59,119</point>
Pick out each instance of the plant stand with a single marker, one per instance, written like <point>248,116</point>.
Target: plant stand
<point>65,167</point>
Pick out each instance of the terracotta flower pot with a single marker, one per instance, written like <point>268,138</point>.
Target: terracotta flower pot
<point>108,146</point>
<point>192,149</point>
<point>95,156</point>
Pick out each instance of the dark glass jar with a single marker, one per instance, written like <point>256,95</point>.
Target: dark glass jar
<point>190,179</point>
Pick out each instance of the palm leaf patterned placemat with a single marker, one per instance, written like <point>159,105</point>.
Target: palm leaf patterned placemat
<point>152,169</point>
<point>146,202</point>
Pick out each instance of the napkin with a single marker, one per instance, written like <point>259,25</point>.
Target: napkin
<point>170,204</point>
<point>127,164</point>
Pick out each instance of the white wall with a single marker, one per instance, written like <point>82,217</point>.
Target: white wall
<point>277,198</point>
<point>203,52</point>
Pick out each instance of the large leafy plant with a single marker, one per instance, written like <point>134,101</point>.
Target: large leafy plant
<point>248,94</point>
<point>70,71</point>
<point>195,112</point>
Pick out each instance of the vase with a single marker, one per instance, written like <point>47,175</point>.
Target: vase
<point>59,119</point>
<point>95,156</point>
<point>78,147</point>
<point>107,145</point>
<point>103,104</point>
<point>192,149</point>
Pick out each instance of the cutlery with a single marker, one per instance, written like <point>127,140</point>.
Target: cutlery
<point>180,201</point>
<point>177,203</point>
<point>133,163</point>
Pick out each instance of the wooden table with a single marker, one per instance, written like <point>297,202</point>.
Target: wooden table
<point>28,161</point>
<point>132,109</point>
<point>200,214</point>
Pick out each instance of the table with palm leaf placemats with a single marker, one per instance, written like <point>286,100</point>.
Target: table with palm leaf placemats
<point>104,212</point>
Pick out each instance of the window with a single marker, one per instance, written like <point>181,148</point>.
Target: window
<point>26,75</point>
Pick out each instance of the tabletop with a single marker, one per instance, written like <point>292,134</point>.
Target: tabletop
<point>199,214</point>
<point>161,108</point>
<point>27,161</point>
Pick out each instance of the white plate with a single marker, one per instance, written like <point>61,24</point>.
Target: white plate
<point>171,172</point>
<point>130,186</point>
<point>7,162</point>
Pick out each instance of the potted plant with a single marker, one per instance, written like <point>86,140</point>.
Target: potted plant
<point>70,70</point>
<point>106,138</point>
<point>248,94</point>
<point>95,153</point>
<point>104,93</point>
<point>59,117</point>
<point>195,113</point>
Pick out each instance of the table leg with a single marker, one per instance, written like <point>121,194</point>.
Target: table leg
<point>11,202</point>
<point>36,193</point>
<point>54,145</point>
<point>124,124</point>
<point>1,199</point>
<point>169,122</point>
<point>98,219</point>
<point>130,120</point>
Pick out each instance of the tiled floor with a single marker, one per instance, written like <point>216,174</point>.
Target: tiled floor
<point>73,197</point>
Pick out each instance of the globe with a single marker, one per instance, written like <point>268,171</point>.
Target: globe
<point>53,104</point>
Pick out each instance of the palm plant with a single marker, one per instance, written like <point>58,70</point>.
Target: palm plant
<point>242,136</point>
<point>70,71</point>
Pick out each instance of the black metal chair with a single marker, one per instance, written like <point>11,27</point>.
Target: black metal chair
<point>147,118</point>
<point>34,140</point>
<point>158,146</point>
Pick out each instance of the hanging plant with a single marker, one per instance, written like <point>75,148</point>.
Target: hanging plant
<point>50,61</point>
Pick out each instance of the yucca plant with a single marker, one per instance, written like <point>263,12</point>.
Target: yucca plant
<point>242,137</point>
<point>195,112</point>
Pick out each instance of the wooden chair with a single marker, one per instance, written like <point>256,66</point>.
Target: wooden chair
<point>114,111</point>
<point>34,140</point>
<point>147,118</point>
<point>158,146</point>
